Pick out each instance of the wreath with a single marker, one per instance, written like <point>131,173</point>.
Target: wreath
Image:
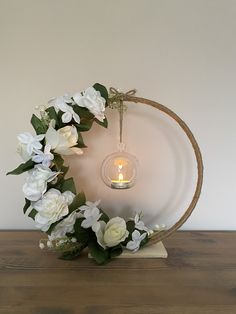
<point>70,221</point>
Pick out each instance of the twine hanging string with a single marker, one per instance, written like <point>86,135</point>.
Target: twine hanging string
<point>116,101</point>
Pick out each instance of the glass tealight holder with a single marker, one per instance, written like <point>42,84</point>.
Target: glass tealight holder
<point>119,170</point>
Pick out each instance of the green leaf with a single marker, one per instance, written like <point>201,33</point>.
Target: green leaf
<point>78,201</point>
<point>27,205</point>
<point>64,169</point>
<point>68,185</point>
<point>104,216</point>
<point>33,213</point>
<point>145,240</point>
<point>81,234</point>
<point>102,89</point>
<point>83,113</point>
<point>84,126</point>
<point>115,251</point>
<point>80,141</point>
<point>53,116</point>
<point>23,167</point>
<point>100,255</point>
<point>104,123</point>
<point>58,161</point>
<point>38,125</point>
<point>130,225</point>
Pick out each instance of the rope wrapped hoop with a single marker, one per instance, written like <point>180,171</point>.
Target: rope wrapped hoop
<point>138,100</point>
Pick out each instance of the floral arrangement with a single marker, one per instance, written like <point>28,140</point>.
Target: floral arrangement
<point>70,222</point>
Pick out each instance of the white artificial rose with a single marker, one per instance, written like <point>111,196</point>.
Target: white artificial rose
<point>36,182</point>
<point>65,226</point>
<point>51,208</point>
<point>93,101</point>
<point>22,151</point>
<point>63,140</point>
<point>112,233</point>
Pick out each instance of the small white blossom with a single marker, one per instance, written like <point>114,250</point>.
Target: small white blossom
<point>61,103</point>
<point>93,101</point>
<point>137,238</point>
<point>73,240</point>
<point>41,245</point>
<point>49,244</point>
<point>91,214</point>
<point>32,142</point>
<point>159,227</point>
<point>139,224</point>
<point>44,157</point>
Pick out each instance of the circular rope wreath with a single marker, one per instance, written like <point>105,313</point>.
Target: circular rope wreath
<point>71,222</point>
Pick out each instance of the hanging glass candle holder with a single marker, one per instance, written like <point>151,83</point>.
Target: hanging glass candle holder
<point>119,169</point>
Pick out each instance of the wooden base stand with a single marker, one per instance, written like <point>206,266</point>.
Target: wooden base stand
<point>156,250</point>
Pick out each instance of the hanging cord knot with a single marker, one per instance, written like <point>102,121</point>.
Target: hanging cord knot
<point>116,97</point>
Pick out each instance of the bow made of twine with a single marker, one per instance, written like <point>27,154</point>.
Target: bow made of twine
<point>116,95</point>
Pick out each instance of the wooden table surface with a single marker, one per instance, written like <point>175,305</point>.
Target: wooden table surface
<point>198,277</point>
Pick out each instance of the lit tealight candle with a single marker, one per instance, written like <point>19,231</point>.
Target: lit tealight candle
<point>120,183</point>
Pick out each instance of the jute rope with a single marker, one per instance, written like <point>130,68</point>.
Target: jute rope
<point>130,98</point>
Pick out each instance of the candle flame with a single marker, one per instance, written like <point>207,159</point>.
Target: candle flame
<point>121,177</point>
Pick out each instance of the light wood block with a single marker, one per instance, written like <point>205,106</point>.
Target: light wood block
<point>153,251</point>
<point>156,250</point>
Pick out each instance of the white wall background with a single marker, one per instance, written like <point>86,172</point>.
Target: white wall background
<point>180,53</point>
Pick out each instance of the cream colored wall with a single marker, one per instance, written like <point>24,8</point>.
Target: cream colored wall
<point>180,53</point>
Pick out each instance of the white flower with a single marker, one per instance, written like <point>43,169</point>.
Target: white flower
<point>41,245</point>
<point>139,224</point>
<point>61,103</point>
<point>49,244</point>
<point>44,157</point>
<point>159,227</point>
<point>36,182</point>
<point>91,214</point>
<point>31,142</point>
<point>68,196</point>
<point>22,151</point>
<point>137,238</point>
<point>51,208</point>
<point>93,101</point>
<point>65,226</point>
<point>112,233</point>
<point>63,140</point>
